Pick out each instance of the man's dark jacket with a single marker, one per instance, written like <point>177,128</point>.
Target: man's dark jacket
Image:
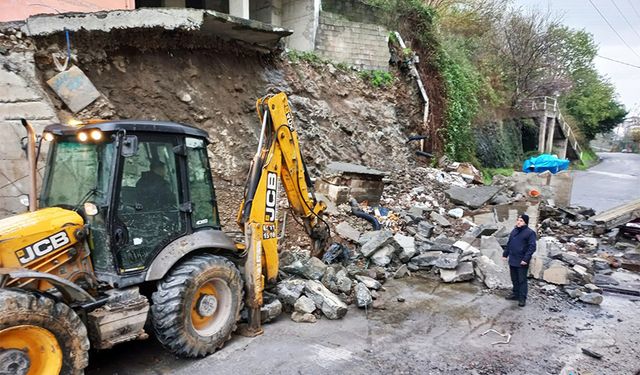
<point>521,246</point>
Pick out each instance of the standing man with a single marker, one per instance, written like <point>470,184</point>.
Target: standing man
<point>520,248</point>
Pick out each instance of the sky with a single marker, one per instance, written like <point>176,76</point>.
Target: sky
<point>620,41</point>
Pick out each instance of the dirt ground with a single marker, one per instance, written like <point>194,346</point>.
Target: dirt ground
<point>437,330</point>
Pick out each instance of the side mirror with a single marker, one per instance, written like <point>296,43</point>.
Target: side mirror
<point>129,146</point>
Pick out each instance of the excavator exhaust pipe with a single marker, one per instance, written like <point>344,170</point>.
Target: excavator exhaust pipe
<point>31,155</point>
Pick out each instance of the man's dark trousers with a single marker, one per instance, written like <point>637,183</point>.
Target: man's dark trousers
<point>519,281</point>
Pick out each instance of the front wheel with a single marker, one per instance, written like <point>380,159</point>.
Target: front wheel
<point>40,336</point>
<point>197,305</point>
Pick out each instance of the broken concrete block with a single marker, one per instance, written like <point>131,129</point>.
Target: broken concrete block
<point>290,290</point>
<point>482,230</point>
<point>332,307</point>
<point>379,240</point>
<point>425,229</point>
<point>592,298</point>
<point>424,260</point>
<point>557,273</point>
<point>463,272</point>
<point>270,311</point>
<point>382,257</point>
<point>490,247</point>
<point>74,88</point>
<point>346,231</point>
<point>588,243</point>
<point>299,317</point>
<point>439,219</point>
<point>371,283</point>
<point>344,284</point>
<point>311,268</point>
<point>407,247</point>
<point>363,296</point>
<point>304,305</point>
<point>456,213</point>
<point>493,275</point>
<point>402,271</point>
<point>448,261</point>
<point>581,273</point>
<point>474,197</point>
<point>591,288</point>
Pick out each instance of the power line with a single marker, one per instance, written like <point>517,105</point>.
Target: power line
<point>618,61</point>
<point>612,28</point>
<point>625,18</point>
<point>634,8</point>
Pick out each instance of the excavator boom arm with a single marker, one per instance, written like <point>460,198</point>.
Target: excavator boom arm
<point>278,158</point>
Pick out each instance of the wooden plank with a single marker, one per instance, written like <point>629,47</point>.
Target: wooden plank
<point>618,215</point>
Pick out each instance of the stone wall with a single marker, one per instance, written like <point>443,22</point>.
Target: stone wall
<point>353,10</point>
<point>22,97</point>
<point>354,43</point>
<point>499,144</point>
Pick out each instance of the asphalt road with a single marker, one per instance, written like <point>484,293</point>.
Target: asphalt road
<point>437,330</point>
<point>614,181</point>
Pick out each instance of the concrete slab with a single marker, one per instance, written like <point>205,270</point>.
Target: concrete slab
<point>198,21</point>
<point>474,197</point>
<point>74,88</point>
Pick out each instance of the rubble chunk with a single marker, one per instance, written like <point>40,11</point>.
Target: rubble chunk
<point>270,311</point>
<point>474,197</point>
<point>592,298</point>
<point>407,247</point>
<point>299,317</point>
<point>425,229</point>
<point>346,231</point>
<point>456,213</point>
<point>401,272</point>
<point>463,272</point>
<point>332,307</point>
<point>377,241</point>
<point>305,305</point>
<point>591,288</point>
<point>311,268</point>
<point>424,260</point>
<point>290,290</point>
<point>382,257</point>
<point>440,220</point>
<point>369,282</point>
<point>557,273</point>
<point>363,296</point>
<point>493,275</point>
<point>448,261</point>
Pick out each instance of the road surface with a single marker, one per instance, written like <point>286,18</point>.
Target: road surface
<point>614,181</point>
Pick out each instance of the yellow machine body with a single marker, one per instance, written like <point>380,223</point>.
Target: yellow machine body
<point>46,241</point>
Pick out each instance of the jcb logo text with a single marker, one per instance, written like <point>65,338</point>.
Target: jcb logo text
<point>42,247</point>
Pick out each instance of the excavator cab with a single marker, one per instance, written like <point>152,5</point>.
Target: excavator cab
<point>139,185</point>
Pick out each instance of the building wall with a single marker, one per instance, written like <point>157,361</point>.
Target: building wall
<point>354,43</point>
<point>302,16</point>
<point>18,10</point>
<point>23,98</point>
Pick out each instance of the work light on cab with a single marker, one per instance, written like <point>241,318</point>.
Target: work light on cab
<point>96,135</point>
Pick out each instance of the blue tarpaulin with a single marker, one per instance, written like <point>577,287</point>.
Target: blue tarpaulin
<point>545,162</point>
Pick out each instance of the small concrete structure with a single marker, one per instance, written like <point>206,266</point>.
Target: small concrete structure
<point>344,180</point>
<point>556,188</point>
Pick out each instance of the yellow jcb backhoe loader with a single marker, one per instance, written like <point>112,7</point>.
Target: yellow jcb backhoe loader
<point>128,231</point>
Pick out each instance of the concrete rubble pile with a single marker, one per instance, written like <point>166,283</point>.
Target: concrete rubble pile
<point>437,224</point>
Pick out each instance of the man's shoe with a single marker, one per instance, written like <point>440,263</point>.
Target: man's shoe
<point>522,303</point>
<point>511,297</point>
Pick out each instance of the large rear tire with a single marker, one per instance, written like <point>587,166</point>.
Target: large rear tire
<point>197,306</point>
<point>41,335</point>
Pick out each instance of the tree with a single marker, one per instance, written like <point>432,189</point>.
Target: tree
<point>592,102</point>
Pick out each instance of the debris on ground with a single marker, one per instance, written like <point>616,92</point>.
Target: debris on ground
<point>436,222</point>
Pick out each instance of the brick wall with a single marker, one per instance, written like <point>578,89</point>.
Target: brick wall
<point>358,44</point>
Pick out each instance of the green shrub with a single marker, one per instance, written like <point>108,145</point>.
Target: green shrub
<point>377,78</point>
